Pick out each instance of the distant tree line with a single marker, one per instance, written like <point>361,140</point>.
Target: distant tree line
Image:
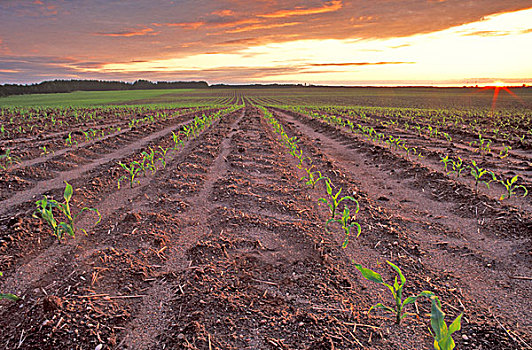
<point>95,85</point>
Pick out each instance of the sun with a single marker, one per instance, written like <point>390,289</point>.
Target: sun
<point>498,84</point>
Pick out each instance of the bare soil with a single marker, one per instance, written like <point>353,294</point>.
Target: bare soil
<point>225,248</point>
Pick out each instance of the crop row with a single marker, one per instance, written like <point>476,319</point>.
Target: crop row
<point>148,159</point>
<point>441,332</point>
<point>456,166</point>
<point>508,128</point>
<point>58,215</point>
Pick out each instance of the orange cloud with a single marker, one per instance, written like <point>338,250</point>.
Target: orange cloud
<point>186,25</point>
<point>223,13</point>
<point>261,26</point>
<point>236,23</point>
<point>331,6</point>
<point>487,33</point>
<point>140,32</point>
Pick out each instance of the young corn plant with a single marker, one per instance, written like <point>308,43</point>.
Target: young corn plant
<point>87,135</point>
<point>69,141</point>
<point>447,136</point>
<point>478,173</point>
<point>132,171</point>
<point>162,158</point>
<point>347,222</point>
<point>45,151</point>
<point>505,152</point>
<point>186,131</point>
<point>7,159</point>
<point>445,160</point>
<point>150,160</point>
<point>142,165</point>
<point>312,177</point>
<point>484,145</point>
<point>177,141</point>
<point>335,199</point>
<point>458,166</point>
<point>442,334</point>
<point>8,295</point>
<point>45,210</point>
<point>396,289</point>
<point>512,187</point>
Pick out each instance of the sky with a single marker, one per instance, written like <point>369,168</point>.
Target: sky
<point>335,42</point>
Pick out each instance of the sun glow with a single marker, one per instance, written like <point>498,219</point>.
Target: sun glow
<point>461,55</point>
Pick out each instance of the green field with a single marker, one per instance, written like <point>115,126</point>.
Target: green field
<point>519,99</point>
<point>89,98</point>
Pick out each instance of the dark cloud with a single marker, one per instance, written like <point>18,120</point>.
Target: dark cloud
<point>130,33</point>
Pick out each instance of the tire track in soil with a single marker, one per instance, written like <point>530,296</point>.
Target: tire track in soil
<point>45,268</point>
<point>34,269</point>
<point>155,313</point>
<point>257,281</point>
<point>436,226</point>
<point>432,148</point>
<point>69,175</point>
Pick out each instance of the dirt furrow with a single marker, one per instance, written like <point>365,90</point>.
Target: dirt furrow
<point>69,175</point>
<point>435,223</point>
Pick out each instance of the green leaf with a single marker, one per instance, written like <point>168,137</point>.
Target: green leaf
<point>359,228</point>
<point>347,197</point>
<point>68,192</point>
<point>9,296</point>
<point>323,200</point>
<point>437,319</point>
<point>398,270</point>
<point>456,325</point>
<point>369,274</point>
<point>412,299</point>
<point>381,306</point>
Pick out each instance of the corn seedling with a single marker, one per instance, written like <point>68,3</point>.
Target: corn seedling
<point>442,334</point>
<point>512,187</point>
<point>87,135</point>
<point>7,159</point>
<point>447,136</point>
<point>132,173</point>
<point>45,208</point>
<point>335,199</point>
<point>177,141</point>
<point>142,165</point>
<point>312,177</point>
<point>505,152</point>
<point>186,131</point>
<point>45,151</point>
<point>484,145</point>
<point>396,289</point>
<point>347,222</point>
<point>162,158</point>
<point>69,142</point>
<point>477,173</point>
<point>445,160</point>
<point>150,159</point>
<point>458,166</point>
<point>8,295</point>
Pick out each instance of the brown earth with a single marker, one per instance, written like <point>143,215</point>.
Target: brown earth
<point>226,248</point>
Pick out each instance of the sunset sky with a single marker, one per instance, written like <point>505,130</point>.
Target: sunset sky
<point>339,42</point>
